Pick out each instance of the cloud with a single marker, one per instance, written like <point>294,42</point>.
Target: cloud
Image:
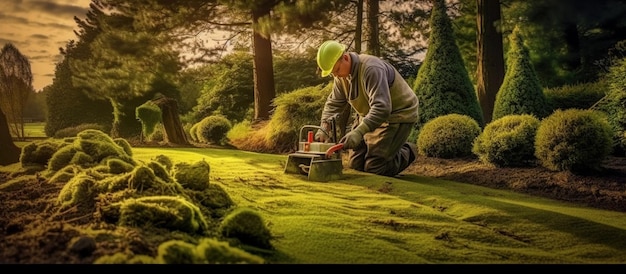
<point>38,28</point>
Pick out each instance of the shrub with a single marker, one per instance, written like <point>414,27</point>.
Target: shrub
<point>448,136</point>
<point>69,106</point>
<point>574,140</point>
<point>213,129</point>
<point>73,131</point>
<point>580,96</point>
<point>520,92</point>
<point>294,110</point>
<point>193,132</point>
<point>508,141</point>
<point>150,116</point>
<point>442,83</point>
<point>614,104</point>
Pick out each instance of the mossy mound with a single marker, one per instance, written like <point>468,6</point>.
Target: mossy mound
<point>248,227</point>
<point>90,148</point>
<point>192,176</point>
<point>207,251</point>
<point>169,212</point>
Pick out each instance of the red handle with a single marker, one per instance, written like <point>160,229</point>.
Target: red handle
<point>332,149</point>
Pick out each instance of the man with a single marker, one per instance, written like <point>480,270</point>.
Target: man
<point>386,106</point>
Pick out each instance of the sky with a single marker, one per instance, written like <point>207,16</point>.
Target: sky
<point>38,28</point>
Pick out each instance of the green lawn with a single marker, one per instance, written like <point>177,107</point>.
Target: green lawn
<point>34,130</point>
<point>364,218</point>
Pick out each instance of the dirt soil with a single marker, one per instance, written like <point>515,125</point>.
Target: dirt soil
<point>603,189</point>
<point>33,230</point>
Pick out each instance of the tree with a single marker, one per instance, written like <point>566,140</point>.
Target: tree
<point>16,85</point>
<point>442,83</point>
<point>521,92</point>
<point>373,9</point>
<point>10,152</point>
<point>490,56</point>
<point>264,87</point>
<point>129,63</point>
<point>568,38</point>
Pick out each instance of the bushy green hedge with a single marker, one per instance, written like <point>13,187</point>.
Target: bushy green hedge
<point>508,141</point>
<point>580,96</point>
<point>73,131</point>
<point>213,129</point>
<point>448,136</point>
<point>574,140</point>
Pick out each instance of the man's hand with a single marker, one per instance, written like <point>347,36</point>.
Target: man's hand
<point>354,138</point>
<point>320,135</point>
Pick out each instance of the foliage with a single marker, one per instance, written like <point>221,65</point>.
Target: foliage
<point>35,109</point>
<point>520,92</point>
<point>69,106</point>
<point>250,136</point>
<point>228,91</point>
<point>193,132</point>
<point>73,131</point>
<point>294,70</point>
<point>508,141</point>
<point>16,86</point>
<point>150,116</point>
<point>228,88</point>
<point>442,83</point>
<point>213,129</point>
<point>581,96</point>
<point>448,136</point>
<point>124,63</point>
<point>568,38</point>
<point>573,140</point>
<point>614,104</point>
<point>292,111</point>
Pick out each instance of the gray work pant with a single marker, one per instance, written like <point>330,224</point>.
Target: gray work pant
<point>384,151</point>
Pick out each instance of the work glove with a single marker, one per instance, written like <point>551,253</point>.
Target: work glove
<point>320,135</point>
<point>354,138</point>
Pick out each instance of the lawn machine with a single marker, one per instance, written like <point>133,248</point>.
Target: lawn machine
<point>320,161</point>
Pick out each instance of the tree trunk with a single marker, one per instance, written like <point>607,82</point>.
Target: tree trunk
<point>174,132</point>
<point>373,47</point>
<point>264,90</point>
<point>9,152</point>
<point>358,34</point>
<point>490,55</point>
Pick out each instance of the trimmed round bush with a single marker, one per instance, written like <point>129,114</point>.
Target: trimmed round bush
<point>574,140</point>
<point>448,136</point>
<point>213,129</point>
<point>508,141</point>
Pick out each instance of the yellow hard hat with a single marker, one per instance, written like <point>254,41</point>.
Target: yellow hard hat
<point>328,54</point>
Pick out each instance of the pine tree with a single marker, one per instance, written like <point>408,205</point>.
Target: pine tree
<point>521,91</point>
<point>443,85</point>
